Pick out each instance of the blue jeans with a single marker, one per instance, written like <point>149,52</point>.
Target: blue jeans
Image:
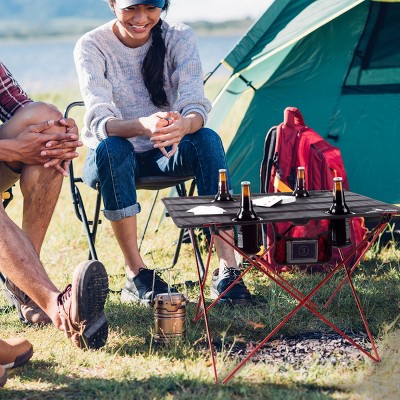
<point>115,165</point>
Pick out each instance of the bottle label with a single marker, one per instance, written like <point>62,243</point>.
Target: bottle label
<point>341,234</point>
<point>247,239</point>
<point>240,237</point>
<point>348,234</point>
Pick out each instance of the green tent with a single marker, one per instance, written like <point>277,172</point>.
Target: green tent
<point>338,61</point>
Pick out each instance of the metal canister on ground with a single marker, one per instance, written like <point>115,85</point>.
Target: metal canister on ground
<point>169,316</point>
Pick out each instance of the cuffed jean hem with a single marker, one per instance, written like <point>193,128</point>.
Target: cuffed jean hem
<point>117,215</point>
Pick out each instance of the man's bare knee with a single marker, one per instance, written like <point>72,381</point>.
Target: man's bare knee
<point>31,114</point>
<point>40,111</point>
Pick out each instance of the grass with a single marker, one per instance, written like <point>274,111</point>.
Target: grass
<point>133,366</point>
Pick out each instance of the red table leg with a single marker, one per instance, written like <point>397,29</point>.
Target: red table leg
<point>203,302</point>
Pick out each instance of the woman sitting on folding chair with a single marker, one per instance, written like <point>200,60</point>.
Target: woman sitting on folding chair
<point>132,72</point>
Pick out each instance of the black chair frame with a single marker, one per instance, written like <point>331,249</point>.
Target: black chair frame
<point>6,197</point>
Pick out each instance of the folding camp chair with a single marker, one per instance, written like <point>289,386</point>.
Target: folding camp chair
<point>155,183</point>
<point>6,197</point>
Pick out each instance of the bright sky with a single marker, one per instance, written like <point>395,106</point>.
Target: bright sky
<point>215,10</point>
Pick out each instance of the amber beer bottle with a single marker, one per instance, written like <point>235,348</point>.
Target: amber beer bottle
<point>340,227</point>
<point>247,235</point>
<point>301,190</point>
<point>223,192</point>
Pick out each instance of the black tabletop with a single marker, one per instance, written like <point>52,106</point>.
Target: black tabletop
<point>308,208</point>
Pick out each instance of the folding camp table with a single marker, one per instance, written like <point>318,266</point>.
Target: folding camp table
<point>314,207</point>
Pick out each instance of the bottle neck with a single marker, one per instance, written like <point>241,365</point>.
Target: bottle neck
<point>246,211</point>
<point>223,183</point>
<point>339,203</point>
<point>338,195</point>
<point>246,198</point>
<point>300,190</point>
<point>301,181</point>
<point>223,190</point>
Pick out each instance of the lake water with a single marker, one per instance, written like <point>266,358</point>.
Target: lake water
<point>46,65</point>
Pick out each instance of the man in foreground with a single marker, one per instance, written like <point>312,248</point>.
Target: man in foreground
<point>36,144</point>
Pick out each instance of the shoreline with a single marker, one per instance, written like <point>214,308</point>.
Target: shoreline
<point>62,31</point>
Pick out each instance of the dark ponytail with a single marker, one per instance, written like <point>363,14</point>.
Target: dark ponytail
<point>153,63</point>
<point>153,68</point>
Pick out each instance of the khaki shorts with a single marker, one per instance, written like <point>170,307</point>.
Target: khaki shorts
<point>7,177</point>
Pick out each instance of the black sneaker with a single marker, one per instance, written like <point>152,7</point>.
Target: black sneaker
<point>238,294</point>
<point>144,287</point>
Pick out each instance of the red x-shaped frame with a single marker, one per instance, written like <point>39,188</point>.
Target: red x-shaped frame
<point>260,263</point>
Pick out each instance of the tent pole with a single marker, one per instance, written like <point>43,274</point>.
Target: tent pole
<point>209,74</point>
<point>248,83</point>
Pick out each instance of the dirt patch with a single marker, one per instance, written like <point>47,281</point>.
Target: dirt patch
<point>307,349</point>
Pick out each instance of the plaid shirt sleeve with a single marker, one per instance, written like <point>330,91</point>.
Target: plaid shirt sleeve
<point>12,97</point>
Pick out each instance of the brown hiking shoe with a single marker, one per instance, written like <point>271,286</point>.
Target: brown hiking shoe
<point>28,311</point>
<point>14,352</point>
<point>81,306</point>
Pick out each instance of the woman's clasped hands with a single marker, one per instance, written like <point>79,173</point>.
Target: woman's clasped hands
<point>170,129</point>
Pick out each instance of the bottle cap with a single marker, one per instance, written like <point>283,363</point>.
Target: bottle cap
<point>245,183</point>
<point>222,170</point>
<point>301,168</point>
<point>337,179</point>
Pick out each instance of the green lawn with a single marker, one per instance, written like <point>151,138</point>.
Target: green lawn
<point>132,366</point>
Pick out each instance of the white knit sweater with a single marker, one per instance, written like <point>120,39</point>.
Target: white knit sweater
<point>112,85</point>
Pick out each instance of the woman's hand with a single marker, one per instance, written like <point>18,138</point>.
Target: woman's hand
<point>153,123</point>
<point>171,134</point>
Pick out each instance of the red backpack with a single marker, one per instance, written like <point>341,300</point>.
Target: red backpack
<point>287,146</point>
